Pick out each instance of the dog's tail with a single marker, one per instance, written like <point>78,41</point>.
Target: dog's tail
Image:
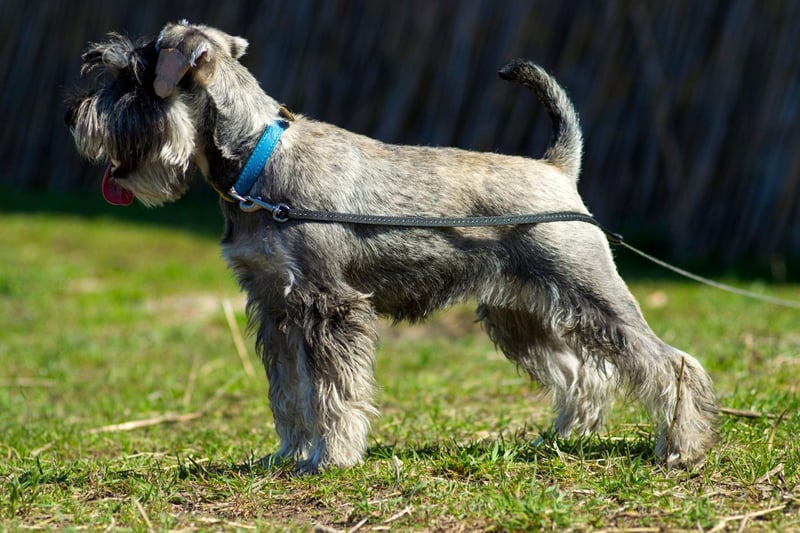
<point>567,142</point>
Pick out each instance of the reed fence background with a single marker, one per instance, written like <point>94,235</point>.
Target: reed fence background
<point>690,108</point>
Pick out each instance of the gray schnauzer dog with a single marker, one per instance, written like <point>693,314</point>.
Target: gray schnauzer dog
<point>548,295</point>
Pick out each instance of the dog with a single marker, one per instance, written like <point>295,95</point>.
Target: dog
<point>548,295</point>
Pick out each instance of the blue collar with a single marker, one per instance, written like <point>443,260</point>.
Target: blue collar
<point>255,164</point>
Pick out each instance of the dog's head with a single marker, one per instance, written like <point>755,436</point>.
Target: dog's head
<point>152,112</point>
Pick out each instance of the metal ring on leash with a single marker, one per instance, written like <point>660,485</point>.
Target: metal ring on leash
<point>280,212</point>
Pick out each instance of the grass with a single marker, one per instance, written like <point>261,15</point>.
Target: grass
<point>107,320</point>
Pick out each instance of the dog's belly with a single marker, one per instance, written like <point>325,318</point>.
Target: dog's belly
<point>412,273</point>
<point>403,294</point>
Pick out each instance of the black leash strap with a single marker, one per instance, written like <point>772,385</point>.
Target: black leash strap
<point>285,213</point>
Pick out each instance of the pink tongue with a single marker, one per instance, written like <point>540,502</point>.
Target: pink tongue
<point>112,192</point>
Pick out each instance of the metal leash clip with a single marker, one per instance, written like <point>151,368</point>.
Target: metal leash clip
<point>280,212</point>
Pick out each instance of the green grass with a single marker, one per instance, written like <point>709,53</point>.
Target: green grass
<point>105,320</point>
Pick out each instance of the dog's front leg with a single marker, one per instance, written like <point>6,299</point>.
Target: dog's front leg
<point>333,338</point>
<point>285,392</point>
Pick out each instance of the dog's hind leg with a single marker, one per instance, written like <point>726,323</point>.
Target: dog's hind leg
<point>688,418</point>
<point>581,388</point>
<point>670,383</point>
<point>582,406</point>
<point>333,334</point>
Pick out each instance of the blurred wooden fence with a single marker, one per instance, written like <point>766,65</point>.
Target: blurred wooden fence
<point>691,109</point>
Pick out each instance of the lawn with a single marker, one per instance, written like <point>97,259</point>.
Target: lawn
<point>126,401</point>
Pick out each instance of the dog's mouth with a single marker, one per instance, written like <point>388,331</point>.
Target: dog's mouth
<point>113,192</point>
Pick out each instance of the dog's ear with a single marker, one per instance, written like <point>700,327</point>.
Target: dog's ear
<point>238,46</point>
<point>184,48</point>
<point>171,68</point>
<point>177,56</point>
<point>227,44</point>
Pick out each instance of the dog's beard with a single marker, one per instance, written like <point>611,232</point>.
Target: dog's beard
<point>152,163</point>
<point>153,183</point>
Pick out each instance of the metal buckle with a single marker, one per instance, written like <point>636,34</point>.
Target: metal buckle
<point>248,204</point>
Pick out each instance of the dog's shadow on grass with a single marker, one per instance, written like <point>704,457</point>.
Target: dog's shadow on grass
<point>460,456</point>
<point>452,458</point>
<point>445,459</point>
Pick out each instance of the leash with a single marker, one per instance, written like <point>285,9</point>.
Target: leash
<point>794,304</point>
<point>283,213</point>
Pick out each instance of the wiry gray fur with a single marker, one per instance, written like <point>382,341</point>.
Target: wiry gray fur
<point>548,295</point>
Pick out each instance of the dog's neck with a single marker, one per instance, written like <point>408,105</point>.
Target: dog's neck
<point>251,169</point>
<point>258,158</point>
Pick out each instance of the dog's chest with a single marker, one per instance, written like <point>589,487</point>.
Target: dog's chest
<point>260,263</point>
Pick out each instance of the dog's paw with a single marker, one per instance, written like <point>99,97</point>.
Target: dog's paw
<point>306,468</point>
<point>276,461</point>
